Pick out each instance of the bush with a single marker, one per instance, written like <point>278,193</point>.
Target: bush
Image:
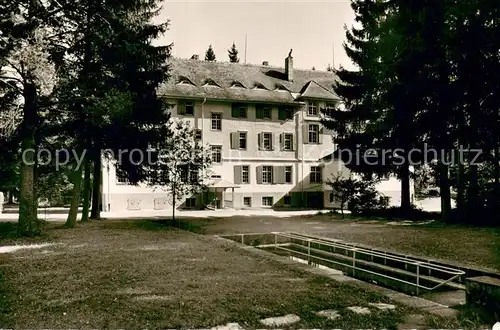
<point>367,199</point>
<point>357,195</point>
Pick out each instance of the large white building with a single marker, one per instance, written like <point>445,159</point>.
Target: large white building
<point>263,127</point>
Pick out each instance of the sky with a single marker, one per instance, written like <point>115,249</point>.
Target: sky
<point>313,29</point>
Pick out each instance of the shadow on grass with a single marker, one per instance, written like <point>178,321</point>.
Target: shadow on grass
<point>192,225</point>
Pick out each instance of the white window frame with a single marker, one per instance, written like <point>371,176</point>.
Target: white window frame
<point>270,140</point>
<point>267,198</point>
<point>212,151</point>
<point>121,179</point>
<point>312,109</point>
<point>313,133</point>
<point>245,135</point>
<point>316,174</point>
<point>267,174</point>
<point>290,136</point>
<point>217,121</point>
<point>245,169</point>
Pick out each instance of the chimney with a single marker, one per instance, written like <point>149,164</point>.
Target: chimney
<point>289,67</point>
<point>265,63</point>
<point>195,57</point>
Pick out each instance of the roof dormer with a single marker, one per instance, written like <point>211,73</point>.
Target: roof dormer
<point>259,86</point>
<point>281,88</point>
<point>185,81</point>
<point>237,84</point>
<point>210,83</point>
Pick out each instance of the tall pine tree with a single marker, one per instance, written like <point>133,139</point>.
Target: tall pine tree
<point>233,54</point>
<point>209,54</point>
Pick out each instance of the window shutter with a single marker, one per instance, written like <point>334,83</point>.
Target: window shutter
<point>237,174</point>
<point>259,140</point>
<point>282,141</point>
<point>281,113</point>
<point>320,135</point>
<point>259,114</point>
<point>294,147</point>
<point>272,141</point>
<point>181,108</point>
<point>234,110</point>
<point>234,140</point>
<point>282,174</point>
<point>276,174</point>
<point>305,133</point>
<point>259,174</point>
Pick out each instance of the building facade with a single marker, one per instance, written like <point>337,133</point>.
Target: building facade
<point>263,127</point>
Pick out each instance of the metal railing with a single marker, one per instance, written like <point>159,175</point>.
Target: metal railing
<point>357,263</point>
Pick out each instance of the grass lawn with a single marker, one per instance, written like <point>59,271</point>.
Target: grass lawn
<point>112,274</point>
<point>468,245</point>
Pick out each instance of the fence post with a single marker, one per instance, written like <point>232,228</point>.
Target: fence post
<point>308,252</point>
<point>353,263</point>
<point>418,279</point>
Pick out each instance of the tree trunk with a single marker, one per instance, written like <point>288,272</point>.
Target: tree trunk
<point>96,189</point>
<point>75,200</point>
<point>496,189</point>
<point>473,192</point>
<point>86,190</point>
<point>444,192</point>
<point>460,187</point>
<point>405,187</point>
<point>173,204</point>
<point>28,222</point>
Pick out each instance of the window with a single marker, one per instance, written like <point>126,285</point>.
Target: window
<point>266,113</point>
<point>267,174</point>
<point>247,201</point>
<point>121,177</point>
<point>242,140</point>
<point>312,109</point>
<point>285,113</point>
<point>313,133</point>
<point>287,200</point>
<point>193,176</point>
<point>216,121</point>
<point>332,197</point>
<point>288,141</point>
<point>210,83</point>
<point>263,111</point>
<point>190,202</point>
<point>239,111</point>
<point>237,84</point>
<point>288,174</point>
<point>185,108</point>
<point>241,174</point>
<point>189,108</point>
<point>245,174</point>
<point>267,141</point>
<point>316,176</point>
<point>267,201</point>
<point>281,88</point>
<point>216,154</point>
<point>185,81</point>
<point>197,134</point>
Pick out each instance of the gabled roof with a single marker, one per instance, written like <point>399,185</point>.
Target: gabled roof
<point>306,83</point>
<point>314,90</point>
